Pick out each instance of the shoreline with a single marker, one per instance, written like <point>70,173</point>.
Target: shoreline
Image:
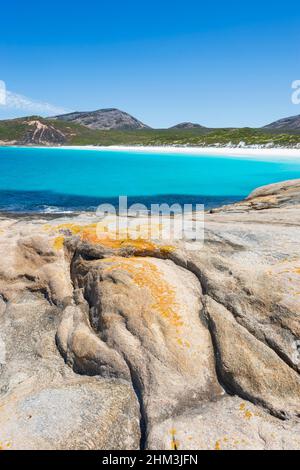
<point>234,152</point>
<point>200,151</point>
<point>65,213</point>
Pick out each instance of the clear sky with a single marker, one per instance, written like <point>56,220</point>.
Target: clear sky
<point>218,63</point>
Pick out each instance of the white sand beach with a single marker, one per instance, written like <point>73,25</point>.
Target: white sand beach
<point>254,152</point>
<point>238,152</point>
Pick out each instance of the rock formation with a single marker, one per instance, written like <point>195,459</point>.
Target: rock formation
<point>40,133</point>
<point>105,119</point>
<point>127,344</point>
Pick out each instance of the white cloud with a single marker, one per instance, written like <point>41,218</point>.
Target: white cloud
<point>2,93</point>
<point>11,100</point>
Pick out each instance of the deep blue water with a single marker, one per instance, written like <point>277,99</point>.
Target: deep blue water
<point>48,179</point>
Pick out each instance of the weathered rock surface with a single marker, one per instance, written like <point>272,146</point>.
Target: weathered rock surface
<point>145,317</point>
<point>277,195</point>
<point>179,348</point>
<point>226,424</point>
<point>30,263</point>
<point>249,368</point>
<point>82,414</point>
<point>43,404</point>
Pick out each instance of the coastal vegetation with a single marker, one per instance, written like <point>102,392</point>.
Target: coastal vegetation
<point>54,131</point>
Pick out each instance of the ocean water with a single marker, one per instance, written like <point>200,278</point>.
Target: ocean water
<point>59,180</point>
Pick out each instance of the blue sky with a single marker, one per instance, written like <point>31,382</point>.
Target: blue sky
<point>217,63</point>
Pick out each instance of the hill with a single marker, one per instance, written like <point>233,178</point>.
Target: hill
<point>291,123</point>
<point>105,119</point>
<point>187,125</point>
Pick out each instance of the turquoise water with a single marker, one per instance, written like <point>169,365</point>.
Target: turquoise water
<point>34,179</point>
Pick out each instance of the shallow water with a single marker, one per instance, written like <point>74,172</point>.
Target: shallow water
<point>53,179</point>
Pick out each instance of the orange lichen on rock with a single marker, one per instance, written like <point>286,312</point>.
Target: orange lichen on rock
<point>73,229</point>
<point>247,413</point>
<point>5,446</point>
<point>145,274</point>
<point>58,243</point>
<point>139,245</point>
<point>91,234</point>
<point>183,343</point>
<point>218,445</point>
<point>174,441</point>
